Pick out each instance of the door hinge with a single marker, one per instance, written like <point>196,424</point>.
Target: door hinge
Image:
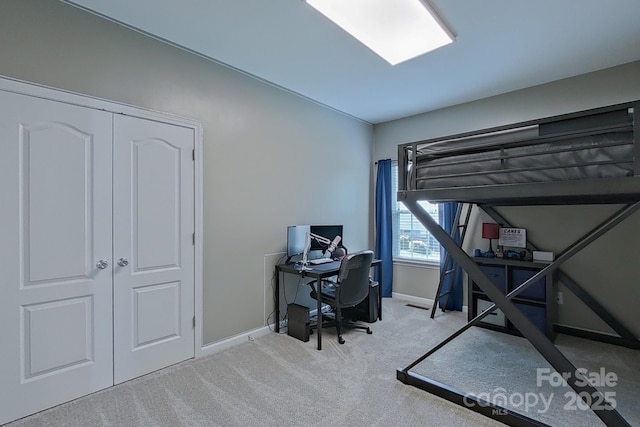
<point>194,322</point>
<point>193,154</point>
<point>193,238</point>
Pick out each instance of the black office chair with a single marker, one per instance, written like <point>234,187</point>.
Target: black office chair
<point>349,289</point>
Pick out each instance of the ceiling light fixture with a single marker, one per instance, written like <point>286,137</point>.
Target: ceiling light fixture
<point>397,30</point>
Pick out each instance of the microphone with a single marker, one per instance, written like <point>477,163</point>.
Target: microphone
<point>332,247</point>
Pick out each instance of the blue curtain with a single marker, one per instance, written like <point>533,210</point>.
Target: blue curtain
<point>453,301</point>
<point>384,200</point>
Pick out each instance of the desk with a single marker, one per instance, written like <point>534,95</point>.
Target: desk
<point>317,272</point>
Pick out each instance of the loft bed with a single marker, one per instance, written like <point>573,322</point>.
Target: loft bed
<point>589,157</point>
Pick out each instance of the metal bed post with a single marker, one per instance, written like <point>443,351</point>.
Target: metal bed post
<point>543,345</point>
<point>636,138</point>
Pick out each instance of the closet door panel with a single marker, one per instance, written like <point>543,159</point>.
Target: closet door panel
<point>156,211</point>
<point>153,227</point>
<point>55,205</point>
<point>56,306</point>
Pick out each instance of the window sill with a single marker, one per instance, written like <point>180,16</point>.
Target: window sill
<point>416,263</point>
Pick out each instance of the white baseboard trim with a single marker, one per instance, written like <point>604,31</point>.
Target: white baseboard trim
<point>226,343</point>
<point>243,337</point>
<point>233,341</point>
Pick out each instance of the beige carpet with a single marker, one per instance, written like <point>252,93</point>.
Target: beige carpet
<point>277,380</point>
<point>500,367</point>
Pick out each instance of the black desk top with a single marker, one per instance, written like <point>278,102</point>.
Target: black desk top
<point>312,270</point>
<point>328,268</point>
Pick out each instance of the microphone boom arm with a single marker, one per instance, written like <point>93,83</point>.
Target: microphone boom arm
<point>320,239</point>
<point>332,245</point>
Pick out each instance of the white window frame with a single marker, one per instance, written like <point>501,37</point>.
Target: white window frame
<point>412,243</point>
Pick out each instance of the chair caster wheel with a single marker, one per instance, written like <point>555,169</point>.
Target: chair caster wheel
<point>340,340</point>
<point>369,331</point>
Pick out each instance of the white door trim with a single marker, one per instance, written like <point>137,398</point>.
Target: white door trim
<point>40,91</point>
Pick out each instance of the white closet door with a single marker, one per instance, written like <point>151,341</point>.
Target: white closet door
<point>55,224</point>
<point>153,227</point>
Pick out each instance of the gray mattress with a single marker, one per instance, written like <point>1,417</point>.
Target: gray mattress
<point>525,158</point>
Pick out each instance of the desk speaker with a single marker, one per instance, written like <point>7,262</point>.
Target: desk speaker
<point>298,322</point>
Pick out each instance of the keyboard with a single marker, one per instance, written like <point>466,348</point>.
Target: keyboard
<point>320,261</point>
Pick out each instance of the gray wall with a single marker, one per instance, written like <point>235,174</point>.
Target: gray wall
<point>609,267</point>
<point>264,148</point>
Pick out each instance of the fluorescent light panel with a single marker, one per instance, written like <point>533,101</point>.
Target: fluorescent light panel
<point>397,30</point>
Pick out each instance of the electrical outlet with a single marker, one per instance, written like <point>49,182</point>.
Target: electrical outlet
<point>559,299</point>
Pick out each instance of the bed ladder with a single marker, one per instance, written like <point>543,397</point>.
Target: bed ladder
<point>450,266</point>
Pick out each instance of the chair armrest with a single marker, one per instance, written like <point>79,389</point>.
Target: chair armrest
<point>312,284</point>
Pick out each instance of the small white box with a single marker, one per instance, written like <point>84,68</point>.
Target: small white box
<point>542,256</point>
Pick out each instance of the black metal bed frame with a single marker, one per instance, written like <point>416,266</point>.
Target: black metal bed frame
<point>624,191</point>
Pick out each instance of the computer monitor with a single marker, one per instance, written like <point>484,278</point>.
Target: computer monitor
<point>296,239</point>
<point>328,231</point>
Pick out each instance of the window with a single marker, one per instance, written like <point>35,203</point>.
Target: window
<point>410,239</point>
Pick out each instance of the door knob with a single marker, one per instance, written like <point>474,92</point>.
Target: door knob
<point>102,264</point>
<point>123,262</point>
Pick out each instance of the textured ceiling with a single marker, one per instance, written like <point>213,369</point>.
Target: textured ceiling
<point>501,46</point>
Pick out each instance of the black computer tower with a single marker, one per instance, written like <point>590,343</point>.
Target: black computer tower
<point>298,324</point>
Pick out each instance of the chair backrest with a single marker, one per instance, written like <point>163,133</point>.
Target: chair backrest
<point>353,278</point>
